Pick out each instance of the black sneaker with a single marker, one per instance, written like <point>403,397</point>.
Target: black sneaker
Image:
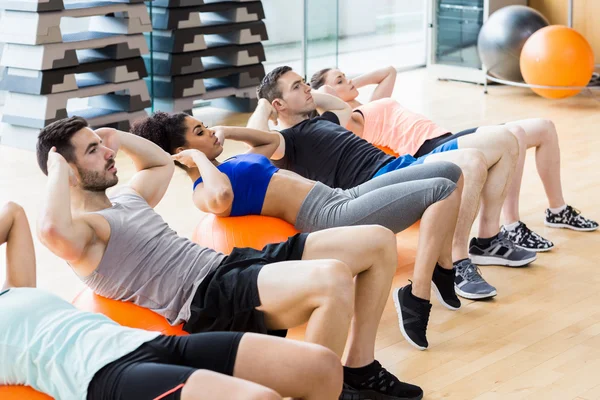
<point>413,316</point>
<point>525,238</point>
<point>442,284</point>
<point>500,251</point>
<point>380,386</point>
<point>570,218</point>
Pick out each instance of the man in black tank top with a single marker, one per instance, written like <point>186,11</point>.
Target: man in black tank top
<point>322,149</point>
<point>308,279</point>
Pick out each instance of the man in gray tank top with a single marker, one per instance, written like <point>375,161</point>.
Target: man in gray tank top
<point>335,280</point>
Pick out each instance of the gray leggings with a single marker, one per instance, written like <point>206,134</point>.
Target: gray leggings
<point>395,200</point>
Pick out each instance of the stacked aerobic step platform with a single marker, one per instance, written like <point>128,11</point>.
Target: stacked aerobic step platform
<point>48,67</point>
<point>206,50</point>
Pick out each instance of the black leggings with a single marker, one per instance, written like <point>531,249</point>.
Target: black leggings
<point>159,368</point>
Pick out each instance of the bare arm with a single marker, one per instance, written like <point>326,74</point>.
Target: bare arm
<point>20,254</point>
<point>259,120</point>
<point>154,166</point>
<point>384,78</point>
<point>57,230</point>
<point>260,142</point>
<point>260,117</point>
<point>214,195</point>
<point>326,102</point>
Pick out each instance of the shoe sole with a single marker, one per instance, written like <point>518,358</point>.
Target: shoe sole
<point>441,299</point>
<point>567,226</point>
<point>487,260</point>
<point>373,395</point>
<point>535,250</point>
<point>471,296</point>
<point>399,312</point>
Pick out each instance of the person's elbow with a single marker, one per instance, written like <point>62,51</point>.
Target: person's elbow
<point>391,71</point>
<point>54,238</point>
<point>167,160</point>
<point>217,202</point>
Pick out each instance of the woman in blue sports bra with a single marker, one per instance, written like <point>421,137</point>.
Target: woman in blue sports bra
<point>249,184</point>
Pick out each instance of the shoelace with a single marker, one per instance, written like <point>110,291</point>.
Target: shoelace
<point>575,214</point>
<point>386,379</point>
<point>529,232</point>
<point>573,210</point>
<point>473,274</point>
<point>424,312</point>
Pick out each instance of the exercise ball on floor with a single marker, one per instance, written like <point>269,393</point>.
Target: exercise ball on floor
<point>125,313</point>
<point>387,150</point>
<point>503,36</point>
<point>224,233</point>
<point>21,393</point>
<point>557,56</point>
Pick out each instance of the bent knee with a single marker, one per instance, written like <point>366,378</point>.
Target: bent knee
<point>520,134</point>
<point>450,170</point>
<point>444,169</point>
<point>13,208</point>
<point>326,367</point>
<point>548,131</point>
<point>510,141</point>
<point>333,281</point>
<point>380,235</point>
<point>325,361</point>
<point>442,188</point>
<point>473,164</point>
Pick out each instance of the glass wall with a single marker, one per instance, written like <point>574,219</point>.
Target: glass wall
<point>285,26</point>
<point>355,35</point>
<point>386,32</point>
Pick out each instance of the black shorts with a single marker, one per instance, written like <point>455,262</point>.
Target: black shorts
<point>430,144</point>
<point>227,298</point>
<point>160,367</point>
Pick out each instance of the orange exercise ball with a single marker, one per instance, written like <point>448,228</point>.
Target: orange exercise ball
<point>557,56</point>
<point>125,313</point>
<point>256,231</point>
<point>387,150</point>
<point>21,393</point>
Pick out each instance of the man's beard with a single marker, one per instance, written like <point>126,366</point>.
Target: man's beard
<point>93,181</point>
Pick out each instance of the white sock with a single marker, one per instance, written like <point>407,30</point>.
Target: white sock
<point>511,227</point>
<point>558,209</point>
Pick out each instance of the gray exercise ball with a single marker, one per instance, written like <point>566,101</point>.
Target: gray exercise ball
<point>502,38</point>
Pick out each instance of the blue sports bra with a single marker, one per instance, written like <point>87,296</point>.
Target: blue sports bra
<point>249,175</point>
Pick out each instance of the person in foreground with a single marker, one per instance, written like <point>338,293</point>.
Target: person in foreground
<point>249,184</point>
<point>385,122</point>
<point>48,344</point>
<point>322,149</point>
<point>337,281</point>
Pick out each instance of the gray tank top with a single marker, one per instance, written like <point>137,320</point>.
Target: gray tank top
<point>147,263</point>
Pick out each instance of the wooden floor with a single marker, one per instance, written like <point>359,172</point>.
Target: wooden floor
<point>538,339</point>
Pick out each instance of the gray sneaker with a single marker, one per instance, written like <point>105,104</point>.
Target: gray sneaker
<point>469,283</point>
<point>501,251</point>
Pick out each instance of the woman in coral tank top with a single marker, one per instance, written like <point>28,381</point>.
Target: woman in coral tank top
<point>385,122</point>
